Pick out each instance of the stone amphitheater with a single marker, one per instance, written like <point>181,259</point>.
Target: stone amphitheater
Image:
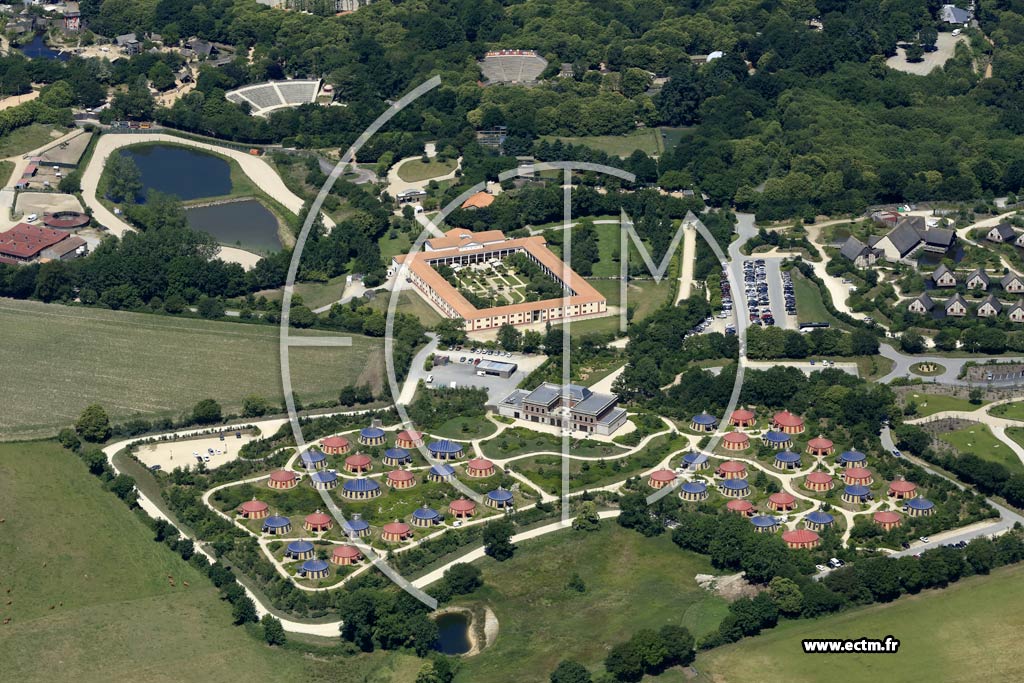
<point>273,95</point>
<point>512,66</point>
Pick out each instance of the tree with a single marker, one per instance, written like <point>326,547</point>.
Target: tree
<point>206,411</point>
<point>786,595</point>
<point>678,102</point>
<point>273,631</point>
<point>93,424</point>
<point>300,316</point>
<point>678,644</point>
<point>915,52</point>
<point>451,331</point>
<point>623,662</point>
<point>498,540</point>
<point>928,35</point>
<point>510,338</point>
<point>211,308</point>
<point>975,396</point>
<point>161,77</point>
<point>569,671</point>
<point>243,610</point>
<point>576,583</point>
<point>254,406</point>
<point>124,179</point>
<point>123,487</point>
<point>463,578</point>
<point>71,183</point>
<point>587,519</point>
<point>912,342</point>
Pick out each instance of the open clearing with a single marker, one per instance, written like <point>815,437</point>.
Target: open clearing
<point>61,359</point>
<point>1011,411</point>
<point>978,439</point>
<point>632,582</point>
<point>939,632</point>
<point>646,140</point>
<point>28,138</point>
<point>929,404</point>
<point>416,171</point>
<point>115,615</point>
<point>945,48</point>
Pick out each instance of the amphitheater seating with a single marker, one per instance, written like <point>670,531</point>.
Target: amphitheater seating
<point>512,66</point>
<point>266,97</point>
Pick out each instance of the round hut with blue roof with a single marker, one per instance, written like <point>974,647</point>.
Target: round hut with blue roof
<point>787,460</point>
<point>426,517</point>
<point>275,525</point>
<point>919,507</point>
<point>360,489</point>
<point>818,520</point>
<point>357,527</point>
<point>324,481</point>
<point>695,461</point>
<point>372,436</point>
<point>765,524</point>
<point>299,550</point>
<point>776,439</point>
<point>703,422</point>
<point>852,459</point>
<point>857,493</point>
<point>441,472</point>
<point>397,457</point>
<point>314,569</point>
<point>313,459</point>
<point>499,498</point>
<point>445,449</point>
<point>693,491</point>
<point>734,488</point>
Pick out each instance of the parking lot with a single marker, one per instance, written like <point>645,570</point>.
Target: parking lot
<point>463,372</point>
<point>769,292</point>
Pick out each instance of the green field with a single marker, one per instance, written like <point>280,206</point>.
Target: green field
<point>646,140</point>
<point>154,366</point>
<point>632,583</point>
<point>1010,411</point>
<point>90,598</point>
<point>929,404</point>
<point>809,304</point>
<point>28,138</point>
<point>967,633</point>
<point>978,439</point>
<point>1011,460</point>
<point>416,171</point>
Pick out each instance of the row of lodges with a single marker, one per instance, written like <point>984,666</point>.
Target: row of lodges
<point>371,436</point>
<point>315,459</point>
<point>743,418</point>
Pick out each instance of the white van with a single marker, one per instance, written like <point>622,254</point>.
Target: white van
<point>31,218</point>
<point>957,32</point>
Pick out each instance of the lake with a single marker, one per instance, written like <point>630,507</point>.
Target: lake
<point>38,49</point>
<point>246,224</point>
<point>185,173</point>
<point>453,633</point>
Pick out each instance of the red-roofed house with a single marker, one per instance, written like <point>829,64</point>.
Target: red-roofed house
<point>24,242</point>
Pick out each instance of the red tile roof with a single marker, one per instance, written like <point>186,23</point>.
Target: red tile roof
<point>25,241</point>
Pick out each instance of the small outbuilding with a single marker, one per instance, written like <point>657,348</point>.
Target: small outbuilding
<point>282,479</point>
<point>801,539</point>
<point>409,439</point>
<point>919,507</point>
<point>819,481</point>
<point>703,423</point>
<point>344,555</point>
<point>360,489</point>
<point>276,525</point>
<point>741,507</point>
<point>317,522</point>
<point>856,493</point>
<point>254,509</point>
<point>887,519</point>
<point>781,501</point>
<point>397,457</point>
<point>462,508</point>
<point>659,479</point>
<point>901,489</point>
<point>401,479</point>
<point>852,459</point>
<point>734,488</point>
<point>820,446</point>
<point>426,517</point>
<point>440,472</point>
<point>480,468</point>
<point>693,491</point>
<point>818,520</point>
<point>396,532</point>
<point>858,475</point>
<point>695,461</point>
<point>732,469</point>
<point>788,423</point>
<point>324,481</point>
<point>358,463</point>
<point>775,439</point>
<point>787,460</point>
<point>445,449</point>
<point>335,445</point>
<point>372,436</point>
<point>742,418</point>
<point>299,550</point>
<point>765,524</point>
<point>313,459</point>
<point>314,569</point>
<point>499,498</point>
<point>735,441</point>
<point>357,527</point>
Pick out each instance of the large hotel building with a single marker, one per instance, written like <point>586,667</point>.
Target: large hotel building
<point>464,247</point>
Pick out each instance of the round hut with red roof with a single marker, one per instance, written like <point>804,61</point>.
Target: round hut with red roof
<point>345,555</point>
<point>479,468</point>
<point>742,507</point>
<point>742,418</point>
<point>820,446</point>
<point>788,423</point>
<point>659,479</point>
<point>358,463</point>
<point>801,539</point>
<point>732,469</point>
<point>462,508</point>
<point>887,519</point>
<point>781,501</point>
<point>735,441</point>
<point>396,532</point>
<point>902,489</point>
<point>819,481</point>
<point>282,479</point>
<point>317,522</point>
<point>401,479</point>
<point>409,439</point>
<point>254,509</point>
<point>858,475</point>
<point>335,445</point>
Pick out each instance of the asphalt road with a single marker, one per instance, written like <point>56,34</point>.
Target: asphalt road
<point>776,297</point>
<point>953,366</point>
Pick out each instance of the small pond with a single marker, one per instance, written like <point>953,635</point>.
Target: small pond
<point>38,49</point>
<point>246,224</point>
<point>453,633</point>
<point>185,173</point>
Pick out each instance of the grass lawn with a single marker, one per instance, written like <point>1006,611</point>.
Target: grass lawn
<point>978,439</point>
<point>6,168</point>
<point>930,627</point>
<point>517,441</point>
<point>135,363</point>
<point>1010,411</point>
<point>645,296</point>
<point>929,404</point>
<point>1011,460</point>
<point>408,302</point>
<point>646,140</point>
<point>463,428</point>
<point>28,138</point>
<point>632,582</point>
<point>809,304</point>
<point>415,171</point>
<point>314,294</point>
<point>390,247</point>
<point>114,614</point>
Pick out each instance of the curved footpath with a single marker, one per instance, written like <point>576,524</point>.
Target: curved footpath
<point>256,168</point>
